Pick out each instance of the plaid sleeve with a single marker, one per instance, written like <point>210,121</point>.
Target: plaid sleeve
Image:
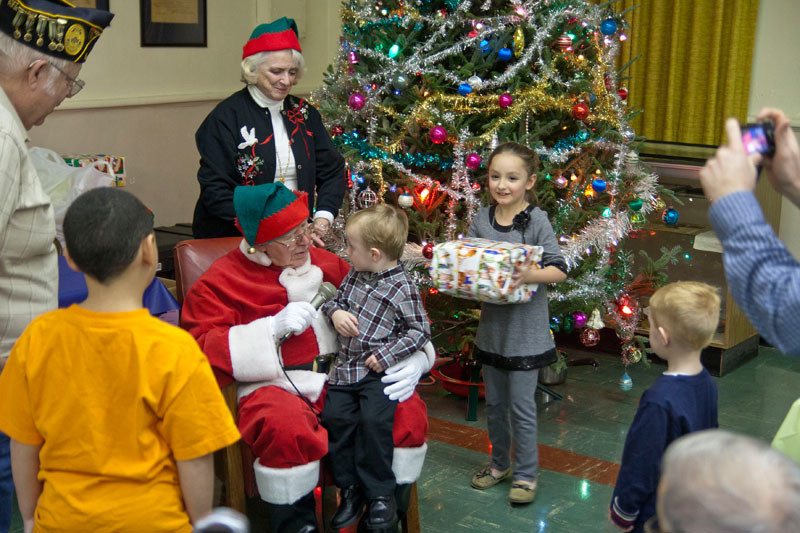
<point>417,330</point>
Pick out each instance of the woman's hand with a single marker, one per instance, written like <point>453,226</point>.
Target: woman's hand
<point>321,228</point>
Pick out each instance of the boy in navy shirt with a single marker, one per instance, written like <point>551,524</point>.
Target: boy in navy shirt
<point>683,317</point>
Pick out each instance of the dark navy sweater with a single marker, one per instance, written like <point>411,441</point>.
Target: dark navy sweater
<point>671,408</point>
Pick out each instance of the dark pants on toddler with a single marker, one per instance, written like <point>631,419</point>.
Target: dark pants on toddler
<point>359,419</point>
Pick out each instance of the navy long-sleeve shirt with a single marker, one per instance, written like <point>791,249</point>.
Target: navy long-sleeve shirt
<point>671,408</point>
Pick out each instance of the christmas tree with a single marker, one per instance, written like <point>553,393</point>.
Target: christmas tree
<point>423,90</point>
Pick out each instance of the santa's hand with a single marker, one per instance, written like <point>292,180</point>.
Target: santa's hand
<point>404,376</point>
<point>294,318</point>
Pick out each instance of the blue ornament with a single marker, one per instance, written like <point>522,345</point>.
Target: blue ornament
<point>599,185</point>
<point>504,54</point>
<point>592,98</point>
<point>608,27</point>
<point>670,216</point>
<point>625,382</point>
<point>485,46</point>
<point>464,89</point>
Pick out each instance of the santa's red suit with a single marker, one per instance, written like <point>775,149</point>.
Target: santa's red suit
<point>230,311</point>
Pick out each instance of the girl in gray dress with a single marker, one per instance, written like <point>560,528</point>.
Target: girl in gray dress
<point>513,340</point>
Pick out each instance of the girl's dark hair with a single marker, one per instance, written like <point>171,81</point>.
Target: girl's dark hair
<point>530,160</point>
<point>103,230</point>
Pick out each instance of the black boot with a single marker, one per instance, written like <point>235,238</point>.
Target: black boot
<point>402,495</point>
<point>299,517</point>
<point>350,506</point>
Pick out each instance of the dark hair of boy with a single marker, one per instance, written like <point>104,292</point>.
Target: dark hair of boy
<point>103,230</point>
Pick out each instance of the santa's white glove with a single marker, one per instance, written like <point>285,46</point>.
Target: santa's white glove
<point>295,318</point>
<point>404,376</point>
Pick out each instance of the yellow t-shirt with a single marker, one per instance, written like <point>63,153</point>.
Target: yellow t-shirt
<point>114,399</point>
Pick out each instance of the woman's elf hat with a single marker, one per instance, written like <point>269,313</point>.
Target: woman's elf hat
<point>280,34</point>
<point>265,212</point>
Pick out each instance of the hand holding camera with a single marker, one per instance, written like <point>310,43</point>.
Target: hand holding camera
<point>783,166</point>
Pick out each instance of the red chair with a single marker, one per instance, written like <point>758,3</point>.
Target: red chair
<point>192,258</point>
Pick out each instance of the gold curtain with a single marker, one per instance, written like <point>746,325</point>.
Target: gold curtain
<point>695,66</point>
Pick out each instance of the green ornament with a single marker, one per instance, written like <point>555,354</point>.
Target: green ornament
<point>568,324</point>
<point>636,205</point>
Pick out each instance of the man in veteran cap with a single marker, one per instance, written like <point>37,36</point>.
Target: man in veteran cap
<point>43,45</point>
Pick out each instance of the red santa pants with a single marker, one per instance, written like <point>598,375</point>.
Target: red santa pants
<point>284,433</point>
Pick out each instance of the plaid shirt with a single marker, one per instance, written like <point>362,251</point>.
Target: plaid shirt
<point>392,324</point>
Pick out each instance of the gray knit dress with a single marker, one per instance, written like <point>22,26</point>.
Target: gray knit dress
<point>518,330</point>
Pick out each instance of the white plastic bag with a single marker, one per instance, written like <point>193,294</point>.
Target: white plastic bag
<point>64,183</point>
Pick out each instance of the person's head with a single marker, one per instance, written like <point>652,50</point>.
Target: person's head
<point>274,221</point>
<point>715,481</point>
<point>685,315</point>
<point>105,230</point>
<point>43,45</point>
<point>376,236</point>
<point>272,59</point>
<point>512,173</point>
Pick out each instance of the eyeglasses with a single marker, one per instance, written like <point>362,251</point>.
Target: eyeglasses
<point>304,232</point>
<point>75,84</point>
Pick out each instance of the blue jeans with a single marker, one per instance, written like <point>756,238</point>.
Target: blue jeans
<point>6,484</point>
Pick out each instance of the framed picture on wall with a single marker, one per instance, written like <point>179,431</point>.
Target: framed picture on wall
<point>95,4</point>
<point>173,22</point>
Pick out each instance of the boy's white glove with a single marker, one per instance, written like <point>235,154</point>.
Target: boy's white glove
<point>294,318</point>
<point>404,376</point>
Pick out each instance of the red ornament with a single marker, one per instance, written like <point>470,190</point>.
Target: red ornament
<point>337,130</point>
<point>472,34</point>
<point>623,93</point>
<point>589,337</point>
<point>505,100</point>
<point>607,82</point>
<point>427,251</point>
<point>563,43</point>
<point>438,135</point>
<point>580,111</point>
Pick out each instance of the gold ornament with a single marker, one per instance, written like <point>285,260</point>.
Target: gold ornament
<point>519,41</point>
<point>251,250</point>
<point>595,322</point>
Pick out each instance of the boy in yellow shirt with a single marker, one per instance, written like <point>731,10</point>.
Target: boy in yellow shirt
<point>113,414</point>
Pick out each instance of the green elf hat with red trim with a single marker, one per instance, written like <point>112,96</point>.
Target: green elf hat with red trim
<point>280,34</point>
<point>265,212</point>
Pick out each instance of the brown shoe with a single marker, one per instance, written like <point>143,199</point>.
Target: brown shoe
<point>484,478</point>
<point>521,492</point>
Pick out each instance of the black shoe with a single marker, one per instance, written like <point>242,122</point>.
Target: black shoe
<point>381,513</point>
<point>350,507</point>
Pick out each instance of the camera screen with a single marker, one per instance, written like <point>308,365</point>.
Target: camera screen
<point>755,140</point>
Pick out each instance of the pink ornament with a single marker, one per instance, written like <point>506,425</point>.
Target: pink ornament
<point>505,100</point>
<point>438,135</point>
<point>353,58</point>
<point>560,182</point>
<point>474,161</point>
<point>580,319</point>
<point>356,101</point>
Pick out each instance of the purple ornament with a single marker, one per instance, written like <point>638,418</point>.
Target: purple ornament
<point>474,161</point>
<point>353,58</point>
<point>438,135</point>
<point>560,182</point>
<point>356,101</point>
<point>505,100</point>
<point>580,319</point>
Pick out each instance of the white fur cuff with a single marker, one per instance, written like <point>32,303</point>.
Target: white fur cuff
<point>284,486</point>
<point>407,463</point>
<point>253,353</point>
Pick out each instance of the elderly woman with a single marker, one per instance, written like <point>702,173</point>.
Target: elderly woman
<point>241,310</point>
<point>262,134</point>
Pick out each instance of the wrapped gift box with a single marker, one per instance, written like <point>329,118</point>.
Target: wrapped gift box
<point>111,164</point>
<point>480,269</point>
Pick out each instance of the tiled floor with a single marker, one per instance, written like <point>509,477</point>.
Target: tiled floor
<point>581,439</point>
